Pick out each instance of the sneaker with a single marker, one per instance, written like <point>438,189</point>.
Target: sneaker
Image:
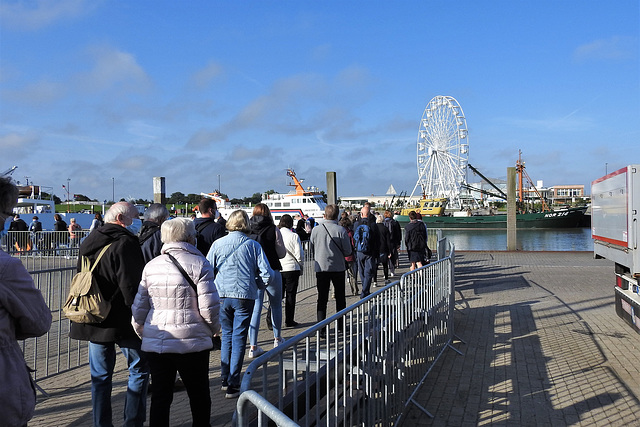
<point>391,274</point>
<point>293,324</point>
<point>277,342</point>
<point>256,352</point>
<point>374,284</point>
<point>232,393</point>
<point>225,386</point>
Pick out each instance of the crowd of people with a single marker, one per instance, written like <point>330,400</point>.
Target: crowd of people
<point>177,286</point>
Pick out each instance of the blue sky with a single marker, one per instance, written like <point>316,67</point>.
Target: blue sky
<point>95,90</point>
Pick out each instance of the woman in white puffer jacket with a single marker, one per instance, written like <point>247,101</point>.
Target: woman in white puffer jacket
<point>176,323</point>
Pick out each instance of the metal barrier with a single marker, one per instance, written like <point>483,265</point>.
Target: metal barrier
<point>363,365</point>
<point>308,278</point>
<point>43,243</point>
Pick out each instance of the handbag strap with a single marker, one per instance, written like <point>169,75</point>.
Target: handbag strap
<point>334,242</point>
<point>294,258</point>
<point>184,273</point>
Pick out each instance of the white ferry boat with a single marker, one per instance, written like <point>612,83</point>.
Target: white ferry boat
<point>299,201</point>
<point>30,204</point>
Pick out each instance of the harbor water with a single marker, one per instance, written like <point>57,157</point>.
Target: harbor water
<point>564,239</point>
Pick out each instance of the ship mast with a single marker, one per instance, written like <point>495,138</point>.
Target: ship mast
<point>297,184</point>
<point>522,173</point>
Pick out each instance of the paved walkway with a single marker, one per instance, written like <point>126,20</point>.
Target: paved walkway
<point>543,346</point>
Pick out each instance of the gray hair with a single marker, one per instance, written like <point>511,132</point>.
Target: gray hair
<point>178,230</point>
<point>157,213</point>
<point>331,212</point>
<point>379,219</point>
<point>8,198</point>
<point>120,208</point>
<point>238,221</point>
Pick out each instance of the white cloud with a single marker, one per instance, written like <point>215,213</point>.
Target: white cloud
<point>114,69</point>
<point>299,105</point>
<point>39,93</point>
<point>34,15</point>
<point>203,77</point>
<point>18,144</point>
<point>614,48</point>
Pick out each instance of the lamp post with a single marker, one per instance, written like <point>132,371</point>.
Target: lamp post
<point>68,201</point>
<point>606,168</point>
<point>219,190</point>
<point>113,190</point>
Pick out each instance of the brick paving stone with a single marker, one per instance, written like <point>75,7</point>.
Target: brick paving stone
<point>543,344</point>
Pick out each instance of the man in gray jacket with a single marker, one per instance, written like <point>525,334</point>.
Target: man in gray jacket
<point>331,244</point>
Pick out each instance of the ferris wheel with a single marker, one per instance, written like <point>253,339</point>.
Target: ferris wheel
<point>442,150</point>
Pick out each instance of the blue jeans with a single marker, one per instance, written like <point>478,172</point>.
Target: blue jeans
<point>274,292</point>
<point>367,265</point>
<point>235,316</point>
<point>102,360</point>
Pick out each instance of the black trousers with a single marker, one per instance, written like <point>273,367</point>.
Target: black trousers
<point>290,281</point>
<point>324,280</point>
<point>194,371</point>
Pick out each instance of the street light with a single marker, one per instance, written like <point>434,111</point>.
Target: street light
<point>68,201</point>
<point>219,190</point>
<point>113,190</point>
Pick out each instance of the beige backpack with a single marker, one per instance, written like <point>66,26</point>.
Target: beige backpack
<point>85,303</point>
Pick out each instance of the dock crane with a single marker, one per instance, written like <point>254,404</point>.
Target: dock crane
<point>9,171</point>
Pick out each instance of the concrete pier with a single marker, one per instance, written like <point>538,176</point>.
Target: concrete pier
<point>543,346</point>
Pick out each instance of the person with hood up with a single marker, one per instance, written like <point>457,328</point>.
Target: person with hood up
<point>265,232</point>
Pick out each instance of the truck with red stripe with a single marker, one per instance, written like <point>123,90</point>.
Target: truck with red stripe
<point>615,209</point>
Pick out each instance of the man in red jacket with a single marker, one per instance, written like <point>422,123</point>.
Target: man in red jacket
<point>118,275</point>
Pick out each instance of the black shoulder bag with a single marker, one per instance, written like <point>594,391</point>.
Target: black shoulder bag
<point>184,273</point>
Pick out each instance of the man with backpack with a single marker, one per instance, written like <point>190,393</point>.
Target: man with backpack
<point>117,274</point>
<point>208,230</point>
<point>367,245</point>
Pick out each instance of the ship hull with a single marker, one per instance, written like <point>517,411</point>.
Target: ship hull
<point>566,218</point>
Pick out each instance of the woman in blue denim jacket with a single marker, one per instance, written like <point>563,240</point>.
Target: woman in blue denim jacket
<point>240,267</point>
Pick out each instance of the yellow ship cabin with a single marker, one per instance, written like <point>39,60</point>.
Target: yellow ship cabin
<point>429,207</point>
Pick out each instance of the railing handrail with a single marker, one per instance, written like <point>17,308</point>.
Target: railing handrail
<point>380,330</point>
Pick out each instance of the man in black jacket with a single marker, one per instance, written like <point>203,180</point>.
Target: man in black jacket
<point>149,236</point>
<point>207,229</point>
<point>118,275</point>
<point>367,260</point>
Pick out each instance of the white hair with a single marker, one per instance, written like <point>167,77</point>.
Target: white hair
<point>178,230</point>
<point>120,208</point>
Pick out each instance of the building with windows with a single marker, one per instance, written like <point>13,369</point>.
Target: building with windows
<point>566,194</point>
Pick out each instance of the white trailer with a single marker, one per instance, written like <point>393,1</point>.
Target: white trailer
<point>615,209</point>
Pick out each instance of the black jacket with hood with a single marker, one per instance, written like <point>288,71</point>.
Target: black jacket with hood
<point>263,231</point>
<point>120,268</point>
<point>150,240</point>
